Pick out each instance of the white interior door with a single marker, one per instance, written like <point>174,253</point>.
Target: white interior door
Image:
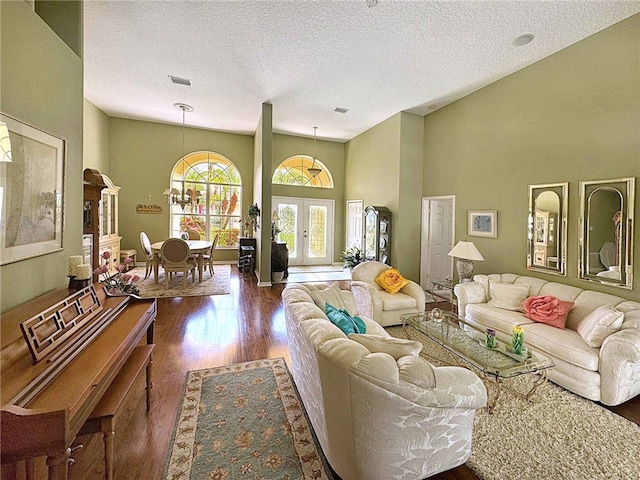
<point>354,223</point>
<point>307,228</point>
<point>438,221</point>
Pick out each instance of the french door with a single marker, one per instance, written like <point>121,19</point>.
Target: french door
<point>306,226</point>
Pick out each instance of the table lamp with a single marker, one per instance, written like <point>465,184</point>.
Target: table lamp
<point>465,252</point>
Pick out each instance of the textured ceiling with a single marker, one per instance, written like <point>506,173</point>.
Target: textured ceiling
<point>309,57</point>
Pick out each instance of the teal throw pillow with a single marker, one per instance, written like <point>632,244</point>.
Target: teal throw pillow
<point>345,322</point>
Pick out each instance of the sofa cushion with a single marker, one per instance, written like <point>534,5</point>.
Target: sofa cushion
<point>344,321</point>
<point>331,295</point>
<point>483,315</point>
<point>396,347</point>
<point>507,295</point>
<point>547,309</point>
<point>599,324</point>
<point>564,344</point>
<point>397,301</point>
<point>391,280</point>
<point>587,302</point>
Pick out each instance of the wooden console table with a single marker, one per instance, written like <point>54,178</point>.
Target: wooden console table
<point>46,421</point>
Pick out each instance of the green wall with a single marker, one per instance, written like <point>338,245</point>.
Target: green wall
<point>41,83</point>
<point>383,167</point>
<point>331,154</point>
<point>572,116</point>
<point>95,152</point>
<point>142,156</point>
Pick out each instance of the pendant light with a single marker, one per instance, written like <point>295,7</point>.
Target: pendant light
<point>175,196</point>
<point>313,170</point>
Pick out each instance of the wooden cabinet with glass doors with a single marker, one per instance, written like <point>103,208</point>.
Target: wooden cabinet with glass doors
<point>377,234</point>
<point>108,239</point>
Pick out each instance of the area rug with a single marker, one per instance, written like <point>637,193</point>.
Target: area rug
<point>244,421</point>
<point>558,435</point>
<point>217,285</point>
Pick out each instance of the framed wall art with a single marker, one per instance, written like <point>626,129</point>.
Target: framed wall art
<point>483,223</point>
<point>31,190</point>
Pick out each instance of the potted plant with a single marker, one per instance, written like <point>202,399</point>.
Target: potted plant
<point>352,257</point>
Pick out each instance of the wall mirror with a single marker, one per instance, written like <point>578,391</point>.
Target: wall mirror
<point>606,231</point>
<point>547,228</point>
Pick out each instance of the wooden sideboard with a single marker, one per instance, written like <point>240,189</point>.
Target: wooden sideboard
<point>46,422</point>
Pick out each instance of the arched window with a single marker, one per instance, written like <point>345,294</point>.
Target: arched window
<point>295,171</point>
<point>215,184</point>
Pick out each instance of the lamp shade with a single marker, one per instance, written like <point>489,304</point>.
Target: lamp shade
<point>466,250</point>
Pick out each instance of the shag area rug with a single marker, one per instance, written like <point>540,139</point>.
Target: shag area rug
<point>557,435</point>
<point>244,421</point>
<point>218,284</point>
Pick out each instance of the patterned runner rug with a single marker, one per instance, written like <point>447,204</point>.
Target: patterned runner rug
<point>558,435</point>
<point>244,421</point>
<point>218,284</point>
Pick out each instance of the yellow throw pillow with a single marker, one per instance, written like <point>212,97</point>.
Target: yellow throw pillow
<point>391,280</point>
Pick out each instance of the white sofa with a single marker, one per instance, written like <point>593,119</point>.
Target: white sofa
<point>377,416</point>
<point>609,373</point>
<point>374,302</point>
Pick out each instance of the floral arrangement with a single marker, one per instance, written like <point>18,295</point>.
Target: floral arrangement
<point>490,338</point>
<point>517,340</point>
<point>119,282</point>
<point>275,230</point>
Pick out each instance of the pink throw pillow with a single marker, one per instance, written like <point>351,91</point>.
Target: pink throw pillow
<point>547,309</point>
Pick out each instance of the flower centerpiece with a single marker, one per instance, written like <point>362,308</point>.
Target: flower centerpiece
<point>490,338</point>
<point>119,283</point>
<point>517,340</point>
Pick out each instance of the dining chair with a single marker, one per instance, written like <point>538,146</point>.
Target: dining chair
<point>193,234</point>
<point>177,258</point>
<point>208,257</point>
<point>146,248</point>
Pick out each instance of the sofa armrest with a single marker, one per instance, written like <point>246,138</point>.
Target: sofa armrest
<point>368,302</point>
<point>414,290</point>
<point>469,292</point>
<point>620,366</point>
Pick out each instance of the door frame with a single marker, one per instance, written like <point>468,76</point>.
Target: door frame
<point>275,199</point>
<point>425,266</point>
<point>346,227</point>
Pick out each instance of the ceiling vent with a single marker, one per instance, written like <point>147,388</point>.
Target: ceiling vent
<point>180,81</point>
<point>341,110</point>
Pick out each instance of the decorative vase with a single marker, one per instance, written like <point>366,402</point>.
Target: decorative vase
<point>277,276</point>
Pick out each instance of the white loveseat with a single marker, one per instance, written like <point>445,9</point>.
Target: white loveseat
<point>609,373</point>
<point>377,416</point>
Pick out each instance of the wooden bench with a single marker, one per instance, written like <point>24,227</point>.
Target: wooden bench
<point>105,415</point>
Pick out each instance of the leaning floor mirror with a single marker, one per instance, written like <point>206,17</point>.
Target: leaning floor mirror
<point>606,231</point>
<point>547,228</point>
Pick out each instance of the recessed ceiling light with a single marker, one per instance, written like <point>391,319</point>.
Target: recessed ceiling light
<point>523,40</point>
<point>180,81</point>
<point>341,110</point>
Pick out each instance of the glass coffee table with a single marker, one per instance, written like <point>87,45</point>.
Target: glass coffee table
<point>465,343</point>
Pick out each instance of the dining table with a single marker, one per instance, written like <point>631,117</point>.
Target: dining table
<point>197,248</point>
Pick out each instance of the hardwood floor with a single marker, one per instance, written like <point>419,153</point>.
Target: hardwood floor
<point>199,332</point>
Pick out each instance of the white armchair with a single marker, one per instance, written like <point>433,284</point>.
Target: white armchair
<point>374,302</point>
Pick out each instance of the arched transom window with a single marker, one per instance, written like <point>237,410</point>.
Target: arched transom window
<point>295,171</point>
<point>217,185</point>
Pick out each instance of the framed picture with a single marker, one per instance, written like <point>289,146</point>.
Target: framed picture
<point>483,223</point>
<point>31,190</point>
